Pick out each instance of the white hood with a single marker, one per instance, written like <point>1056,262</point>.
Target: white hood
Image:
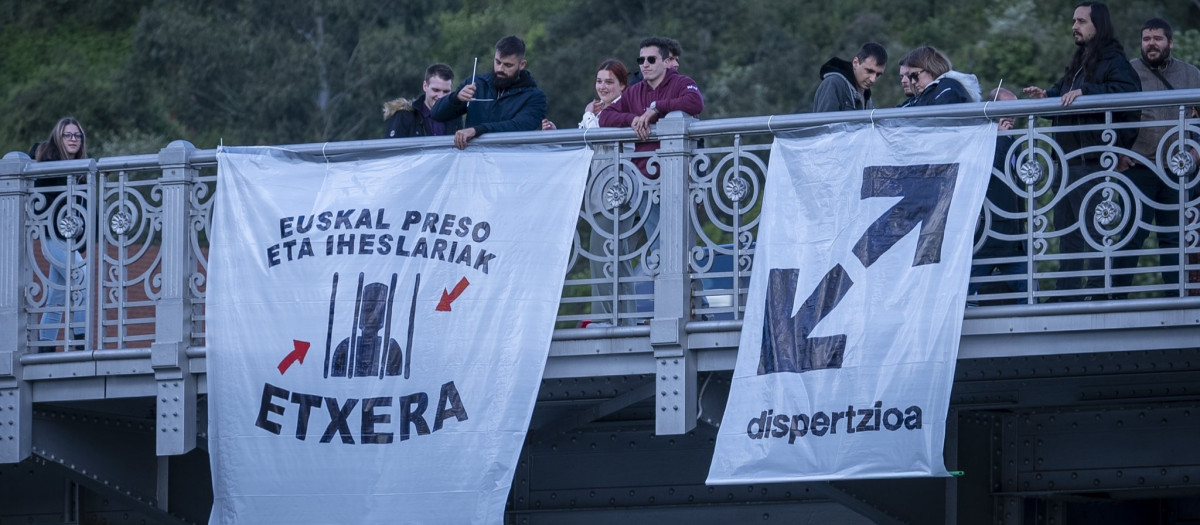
<point>967,80</point>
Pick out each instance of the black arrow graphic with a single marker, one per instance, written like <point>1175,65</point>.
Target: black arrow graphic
<point>786,346</point>
<point>925,191</point>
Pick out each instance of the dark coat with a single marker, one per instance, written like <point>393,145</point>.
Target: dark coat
<point>837,90</point>
<point>951,88</point>
<point>1112,74</point>
<point>54,154</point>
<point>520,107</point>
<point>404,119</point>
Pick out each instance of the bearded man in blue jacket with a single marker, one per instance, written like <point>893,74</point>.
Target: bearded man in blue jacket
<point>506,100</point>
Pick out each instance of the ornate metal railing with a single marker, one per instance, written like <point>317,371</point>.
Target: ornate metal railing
<point>111,253</point>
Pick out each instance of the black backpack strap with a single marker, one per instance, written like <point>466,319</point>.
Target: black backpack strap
<point>1160,77</point>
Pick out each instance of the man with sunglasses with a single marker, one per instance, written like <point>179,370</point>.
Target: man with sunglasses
<point>662,91</point>
<point>674,51</point>
<point>846,85</point>
<point>506,100</point>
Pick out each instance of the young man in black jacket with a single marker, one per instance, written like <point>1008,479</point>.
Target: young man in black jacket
<point>413,119</point>
<point>846,85</point>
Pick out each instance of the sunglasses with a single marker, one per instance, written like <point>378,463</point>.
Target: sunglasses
<point>651,59</point>
<point>914,75</point>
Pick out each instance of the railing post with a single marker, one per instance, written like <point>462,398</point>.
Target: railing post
<point>16,399</point>
<point>675,363</point>
<point>176,392</point>
<point>1181,166</point>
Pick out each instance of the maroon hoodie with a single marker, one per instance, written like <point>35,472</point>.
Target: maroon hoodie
<point>675,93</point>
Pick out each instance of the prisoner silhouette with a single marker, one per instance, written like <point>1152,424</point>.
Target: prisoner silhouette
<point>365,348</point>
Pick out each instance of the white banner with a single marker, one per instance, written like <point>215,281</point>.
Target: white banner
<point>378,329</point>
<point>856,302</point>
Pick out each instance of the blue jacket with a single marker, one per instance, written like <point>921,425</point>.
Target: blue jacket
<point>520,107</point>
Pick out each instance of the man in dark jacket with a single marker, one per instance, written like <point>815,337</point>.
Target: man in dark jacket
<point>846,85</point>
<point>413,119</point>
<point>506,100</point>
<point>1098,66</point>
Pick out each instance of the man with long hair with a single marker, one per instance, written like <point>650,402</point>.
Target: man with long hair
<point>1098,66</point>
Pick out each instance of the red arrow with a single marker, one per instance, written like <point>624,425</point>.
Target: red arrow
<point>295,356</point>
<point>447,298</point>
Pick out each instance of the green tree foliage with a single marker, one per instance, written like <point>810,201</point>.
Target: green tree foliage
<point>276,71</point>
<point>140,73</point>
<point>63,58</point>
<point>1187,46</point>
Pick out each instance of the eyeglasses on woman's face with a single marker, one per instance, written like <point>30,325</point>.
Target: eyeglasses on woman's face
<point>72,136</point>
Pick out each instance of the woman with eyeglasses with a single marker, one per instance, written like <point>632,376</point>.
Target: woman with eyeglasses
<point>67,141</point>
<point>934,80</point>
<point>611,80</point>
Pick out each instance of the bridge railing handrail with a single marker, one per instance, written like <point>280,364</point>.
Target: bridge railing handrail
<point>716,247</point>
